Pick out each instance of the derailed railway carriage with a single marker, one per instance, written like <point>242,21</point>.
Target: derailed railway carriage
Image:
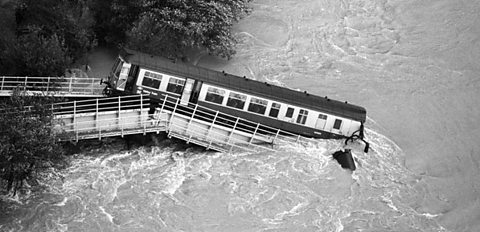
<point>294,111</point>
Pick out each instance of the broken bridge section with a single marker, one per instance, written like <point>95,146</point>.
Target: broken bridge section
<point>136,114</point>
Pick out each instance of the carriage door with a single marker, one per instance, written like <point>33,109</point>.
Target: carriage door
<point>337,126</point>
<point>321,121</point>
<point>187,91</point>
<point>196,92</point>
<point>122,78</point>
<point>132,78</point>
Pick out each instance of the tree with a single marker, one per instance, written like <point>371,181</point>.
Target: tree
<point>113,19</point>
<point>8,36</point>
<point>28,143</point>
<point>170,27</point>
<point>71,21</point>
<point>35,54</point>
<point>43,37</point>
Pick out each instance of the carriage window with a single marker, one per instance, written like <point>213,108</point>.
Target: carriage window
<point>289,113</point>
<point>116,65</point>
<point>302,116</point>
<point>215,95</point>
<point>257,106</point>
<point>321,121</point>
<point>118,68</point>
<point>337,124</point>
<point>152,80</point>
<point>236,100</point>
<point>274,110</point>
<point>175,85</point>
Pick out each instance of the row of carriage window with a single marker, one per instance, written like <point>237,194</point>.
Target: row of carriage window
<point>256,105</point>
<point>235,100</point>
<point>153,80</point>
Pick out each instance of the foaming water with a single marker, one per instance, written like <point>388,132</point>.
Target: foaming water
<point>298,187</point>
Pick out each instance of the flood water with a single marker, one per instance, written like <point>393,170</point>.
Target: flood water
<point>414,65</point>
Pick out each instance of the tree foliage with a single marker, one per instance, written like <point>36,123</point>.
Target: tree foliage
<point>170,27</point>
<point>34,54</point>
<point>59,32</point>
<point>69,20</point>
<point>28,143</point>
<point>43,37</point>
<point>113,19</point>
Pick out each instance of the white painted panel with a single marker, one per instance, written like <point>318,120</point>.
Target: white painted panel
<point>225,97</point>
<point>164,83</point>
<point>354,126</point>
<point>247,103</point>
<point>203,92</point>
<point>329,123</point>
<point>187,91</point>
<point>345,126</point>
<point>320,123</point>
<point>311,118</point>
<point>122,79</point>
<point>141,73</point>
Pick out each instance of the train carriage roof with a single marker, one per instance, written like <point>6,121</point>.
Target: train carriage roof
<point>243,84</point>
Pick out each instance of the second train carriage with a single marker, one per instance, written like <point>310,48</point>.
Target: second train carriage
<point>294,111</point>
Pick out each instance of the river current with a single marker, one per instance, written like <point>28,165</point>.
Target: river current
<point>412,64</point>
<point>171,187</point>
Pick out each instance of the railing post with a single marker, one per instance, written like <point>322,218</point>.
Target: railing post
<point>276,135</point>
<point>3,80</point>
<point>70,85</point>
<point>210,129</point>
<point>190,122</point>
<point>173,113</point>
<point>231,132</point>
<point>298,138</point>
<point>211,126</point>
<point>48,83</point>
<point>161,110</point>
<point>142,121</point>
<point>120,116</point>
<point>25,84</point>
<point>74,120</point>
<point>100,125</point>
<point>254,133</point>
<point>191,118</point>
<point>96,118</point>
<point>93,84</point>
<point>163,104</point>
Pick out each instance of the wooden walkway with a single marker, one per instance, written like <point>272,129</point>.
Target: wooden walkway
<point>58,86</point>
<point>119,116</point>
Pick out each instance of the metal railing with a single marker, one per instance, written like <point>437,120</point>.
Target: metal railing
<point>133,114</point>
<point>201,125</point>
<point>235,125</point>
<point>102,104</point>
<point>121,124</point>
<point>62,85</point>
